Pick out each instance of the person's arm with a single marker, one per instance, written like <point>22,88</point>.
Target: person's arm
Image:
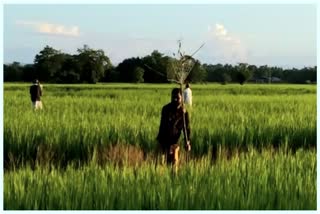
<point>162,125</point>
<point>40,90</point>
<point>188,129</point>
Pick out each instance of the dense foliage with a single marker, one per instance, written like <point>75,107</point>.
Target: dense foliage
<point>91,66</point>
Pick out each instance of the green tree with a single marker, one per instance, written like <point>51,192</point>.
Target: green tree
<point>138,75</point>
<point>48,64</point>
<point>253,69</point>
<point>69,72</point>
<point>226,78</point>
<point>13,72</point>
<point>110,74</point>
<point>214,72</point>
<point>29,73</point>
<point>91,64</point>
<point>126,69</point>
<point>198,73</point>
<point>243,73</point>
<point>155,66</point>
<point>263,72</point>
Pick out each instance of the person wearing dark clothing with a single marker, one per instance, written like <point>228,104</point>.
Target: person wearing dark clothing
<point>171,125</point>
<point>36,93</point>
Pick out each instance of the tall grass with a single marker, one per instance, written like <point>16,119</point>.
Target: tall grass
<point>248,181</point>
<point>63,156</point>
<point>76,118</point>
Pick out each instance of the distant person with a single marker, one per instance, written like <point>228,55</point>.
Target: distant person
<point>171,125</point>
<point>36,93</point>
<point>187,95</point>
<point>41,87</point>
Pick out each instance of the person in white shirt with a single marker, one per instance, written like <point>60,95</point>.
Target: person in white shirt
<point>36,93</point>
<point>187,95</point>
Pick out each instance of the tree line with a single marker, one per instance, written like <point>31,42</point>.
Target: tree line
<point>91,66</point>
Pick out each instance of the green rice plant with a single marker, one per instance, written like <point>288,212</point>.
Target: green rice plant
<point>76,118</point>
<point>248,181</point>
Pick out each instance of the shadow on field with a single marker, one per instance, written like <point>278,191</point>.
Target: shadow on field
<point>121,155</point>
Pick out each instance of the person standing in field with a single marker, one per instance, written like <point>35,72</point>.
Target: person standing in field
<point>171,125</point>
<point>187,95</point>
<point>36,93</point>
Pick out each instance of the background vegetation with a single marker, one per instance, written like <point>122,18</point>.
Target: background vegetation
<point>91,66</point>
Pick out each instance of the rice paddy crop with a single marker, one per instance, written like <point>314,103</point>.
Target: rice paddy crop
<point>262,137</point>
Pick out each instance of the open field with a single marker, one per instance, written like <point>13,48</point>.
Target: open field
<point>251,181</point>
<point>253,147</point>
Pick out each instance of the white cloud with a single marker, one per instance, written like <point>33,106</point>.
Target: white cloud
<point>52,29</point>
<point>224,47</point>
<point>220,31</point>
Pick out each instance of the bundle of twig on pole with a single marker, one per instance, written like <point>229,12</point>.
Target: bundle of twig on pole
<point>181,70</point>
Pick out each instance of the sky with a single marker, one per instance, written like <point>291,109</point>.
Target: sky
<point>270,34</point>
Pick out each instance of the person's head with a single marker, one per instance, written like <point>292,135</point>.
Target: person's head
<point>187,85</point>
<point>35,81</point>
<point>176,96</point>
